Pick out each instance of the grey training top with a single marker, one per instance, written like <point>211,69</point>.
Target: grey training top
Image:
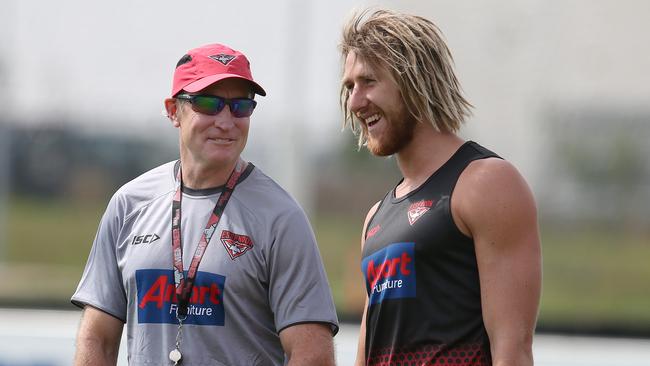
<point>261,272</point>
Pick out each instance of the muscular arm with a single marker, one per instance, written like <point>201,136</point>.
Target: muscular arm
<point>495,206</point>
<point>98,339</point>
<point>361,347</point>
<point>308,344</point>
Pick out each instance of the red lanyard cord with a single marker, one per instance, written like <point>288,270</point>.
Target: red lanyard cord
<point>184,285</point>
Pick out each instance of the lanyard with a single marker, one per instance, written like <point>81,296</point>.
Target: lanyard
<point>184,285</point>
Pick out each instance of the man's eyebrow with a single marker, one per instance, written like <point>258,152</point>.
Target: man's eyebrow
<point>365,74</point>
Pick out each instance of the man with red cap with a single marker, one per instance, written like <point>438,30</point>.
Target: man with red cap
<point>206,259</point>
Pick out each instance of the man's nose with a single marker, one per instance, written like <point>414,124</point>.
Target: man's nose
<point>357,100</point>
<point>224,119</point>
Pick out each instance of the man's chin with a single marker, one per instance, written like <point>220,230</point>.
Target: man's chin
<point>379,149</point>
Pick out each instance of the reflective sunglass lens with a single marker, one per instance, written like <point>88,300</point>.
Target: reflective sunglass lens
<point>212,105</point>
<point>242,107</point>
<point>208,104</point>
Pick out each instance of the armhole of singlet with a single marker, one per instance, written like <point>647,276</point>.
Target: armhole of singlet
<point>365,229</point>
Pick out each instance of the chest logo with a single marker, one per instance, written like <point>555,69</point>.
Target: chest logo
<point>373,231</point>
<point>417,209</point>
<point>157,301</point>
<point>144,239</point>
<point>236,245</point>
<point>390,273</point>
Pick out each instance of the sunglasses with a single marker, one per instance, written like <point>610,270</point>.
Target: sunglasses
<point>212,105</point>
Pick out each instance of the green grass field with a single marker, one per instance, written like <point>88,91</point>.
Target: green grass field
<point>592,278</point>
<point>596,277</point>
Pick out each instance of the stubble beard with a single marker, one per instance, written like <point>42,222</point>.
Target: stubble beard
<point>398,134</point>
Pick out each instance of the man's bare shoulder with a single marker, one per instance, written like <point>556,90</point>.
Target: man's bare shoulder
<point>491,191</point>
<point>490,173</point>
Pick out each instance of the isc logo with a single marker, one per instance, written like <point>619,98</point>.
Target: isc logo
<point>144,239</point>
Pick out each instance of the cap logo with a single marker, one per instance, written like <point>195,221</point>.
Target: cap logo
<point>223,58</point>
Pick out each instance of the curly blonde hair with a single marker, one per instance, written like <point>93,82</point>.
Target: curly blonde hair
<point>412,49</point>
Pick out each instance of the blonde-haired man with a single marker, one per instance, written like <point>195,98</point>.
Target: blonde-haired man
<point>451,255</point>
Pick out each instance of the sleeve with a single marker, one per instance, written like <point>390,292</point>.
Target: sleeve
<point>298,288</point>
<point>101,283</point>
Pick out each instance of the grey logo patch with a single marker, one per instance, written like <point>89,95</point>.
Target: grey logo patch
<point>144,239</point>
<point>223,58</point>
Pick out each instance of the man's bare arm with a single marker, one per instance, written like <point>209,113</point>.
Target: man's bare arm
<point>361,346</point>
<point>308,344</point>
<point>497,209</point>
<point>98,339</point>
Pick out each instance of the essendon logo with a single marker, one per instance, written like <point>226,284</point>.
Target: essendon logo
<point>418,209</point>
<point>223,58</point>
<point>390,272</point>
<point>236,245</point>
<point>157,301</point>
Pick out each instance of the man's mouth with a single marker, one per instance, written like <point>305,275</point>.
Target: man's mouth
<point>370,121</point>
<point>220,140</point>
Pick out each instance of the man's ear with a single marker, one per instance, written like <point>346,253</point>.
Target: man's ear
<point>172,111</point>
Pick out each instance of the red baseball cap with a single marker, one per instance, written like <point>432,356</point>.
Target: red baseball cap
<point>204,66</point>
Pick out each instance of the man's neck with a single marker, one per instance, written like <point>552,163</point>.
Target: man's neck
<point>201,175</point>
<point>427,152</point>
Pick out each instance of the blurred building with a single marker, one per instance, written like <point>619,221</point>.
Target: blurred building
<point>51,162</point>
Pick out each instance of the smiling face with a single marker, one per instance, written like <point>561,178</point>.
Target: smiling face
<point>374,99</point>
<point>212,143</point>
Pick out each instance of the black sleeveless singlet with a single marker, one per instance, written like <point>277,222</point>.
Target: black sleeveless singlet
<point>424,300</point>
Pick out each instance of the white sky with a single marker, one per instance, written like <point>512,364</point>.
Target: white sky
<point>112,61</point>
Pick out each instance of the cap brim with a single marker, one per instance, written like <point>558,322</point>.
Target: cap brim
<point>209,80</point>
